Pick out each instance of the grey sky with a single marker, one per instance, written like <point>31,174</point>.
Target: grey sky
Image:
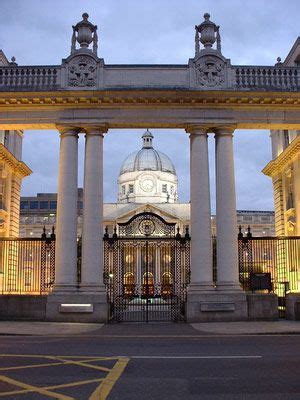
<point>150,31</point>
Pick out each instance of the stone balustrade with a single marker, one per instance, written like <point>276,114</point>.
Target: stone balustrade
<point>267,78</point>
<point>37,78</point>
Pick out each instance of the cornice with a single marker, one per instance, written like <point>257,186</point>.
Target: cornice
<point>146,98</point>
<point>18,167</point>
<point>275,166</point>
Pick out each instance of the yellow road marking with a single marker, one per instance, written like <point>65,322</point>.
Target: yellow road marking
<point>103,390</point>
<point>66,362</point>
<point>63,385</point>
<point>100,393</point>
<point>35,389</point>
<point>60,356</point>
<point>83,364</point>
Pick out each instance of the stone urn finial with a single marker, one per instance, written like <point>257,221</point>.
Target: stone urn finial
<point>84,33</point>
<point>209,33</point>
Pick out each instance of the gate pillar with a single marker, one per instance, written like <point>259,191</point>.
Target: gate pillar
<point>201,246</point>
<point>66,226</point>
<point>69,302</point>
<point>226,301</point>
<point>227,247</point>
<point>92,249</point>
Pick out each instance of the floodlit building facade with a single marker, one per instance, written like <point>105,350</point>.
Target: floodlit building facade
<point>12,171</point>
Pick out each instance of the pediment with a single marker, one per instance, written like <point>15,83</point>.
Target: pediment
<point>140,208</point>
<point>293,58</point>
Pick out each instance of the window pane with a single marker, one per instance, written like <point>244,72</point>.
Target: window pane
<point>34,205</point>
<point>24,205</point>
<point>43,205</point>
<point>53,205</point>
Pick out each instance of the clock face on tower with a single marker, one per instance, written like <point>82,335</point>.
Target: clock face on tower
<point>147,184</point>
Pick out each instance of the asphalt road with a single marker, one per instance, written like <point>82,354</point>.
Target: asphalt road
<point>128,362</point>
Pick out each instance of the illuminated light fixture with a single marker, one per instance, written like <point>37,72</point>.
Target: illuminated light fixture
<point>111,275</point>
<point>76,304</point>
<point>76,308</point>
<point>129,258</point>
<point>167,258</point>
<point>51,215</point>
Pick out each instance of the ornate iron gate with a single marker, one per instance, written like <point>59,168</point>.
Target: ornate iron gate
<point>146,270</point>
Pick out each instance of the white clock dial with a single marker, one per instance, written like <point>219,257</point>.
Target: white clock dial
<point>147,184</point>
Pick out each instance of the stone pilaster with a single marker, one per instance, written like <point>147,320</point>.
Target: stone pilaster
<point>279,206</point>
<point>92,235</point>
<point>201,246</point>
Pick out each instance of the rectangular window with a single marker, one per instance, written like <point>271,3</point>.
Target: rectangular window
<point>24,205</point>
<point>44,205</point>
<point>53,205</point>
<point>80,205</point>
<point>123,189</point>
<point>130,188</point>
<point>34,205</point>
<point>2,194</point>
<point>6,138</point>
<point>286,138</point>
<point>164,188</point>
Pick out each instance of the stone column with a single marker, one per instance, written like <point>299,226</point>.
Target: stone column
<point>227,246</point>
<point>201,248</point>
<point>92,233</point>
<point>66,221</point>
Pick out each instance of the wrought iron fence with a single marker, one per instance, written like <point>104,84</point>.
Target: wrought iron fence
<point>278,256</point>
<point>27,266</point>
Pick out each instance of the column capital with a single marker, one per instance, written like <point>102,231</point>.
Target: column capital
<point>197,129</point>
<point>95,129</point>
<point>68,130</point>
<point>224,130</point>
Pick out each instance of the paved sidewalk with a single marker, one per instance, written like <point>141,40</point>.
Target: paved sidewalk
<point>46,328</point>
<point>249,327</point>
<point>151,329</point>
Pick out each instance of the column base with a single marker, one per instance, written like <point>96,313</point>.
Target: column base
<point>77,307</point>
<point>229,286</point>
<point>89,289</point>
<point>64,289</point>
<point>216,306</point>
<point>201,287</point>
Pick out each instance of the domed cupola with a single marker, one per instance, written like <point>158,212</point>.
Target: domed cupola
<point>147,176</point>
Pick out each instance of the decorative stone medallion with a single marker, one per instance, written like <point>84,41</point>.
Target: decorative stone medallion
<point>82,72</point>
<point>147,227</point>
<point>210,72</point>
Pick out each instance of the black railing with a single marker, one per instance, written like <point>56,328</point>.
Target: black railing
<point>277,256</point>
<point>27,266</point>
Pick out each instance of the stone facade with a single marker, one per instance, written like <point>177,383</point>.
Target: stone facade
<point>284,170</point>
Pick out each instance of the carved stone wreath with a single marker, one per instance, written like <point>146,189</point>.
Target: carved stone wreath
<point>82,72</point>
<point>147,227</point>
<point>210,72</point>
